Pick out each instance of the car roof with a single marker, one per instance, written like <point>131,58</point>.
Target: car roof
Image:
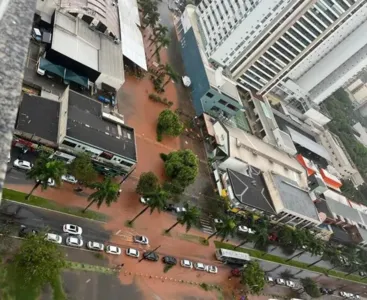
<point>52,235</point>
<point>132,250</point>
<point>112,247</point>
<point>200,264</point>
<point>73,238</point>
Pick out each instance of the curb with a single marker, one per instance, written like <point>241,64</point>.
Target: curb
<point>56,211</point>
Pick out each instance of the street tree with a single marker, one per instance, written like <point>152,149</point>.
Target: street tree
<point>331,254</point>
<point>261,238</point>
<point>82,168</point>
<point>253,277</point>
<point>310,287</point>
<point>157,201</point>
<point>37,262</point>
<point>159,31</point>
<point>106,192</point>
<point>148,183</point>
<point>227,228</point>
<point>161,42</point>
<point>169,124</point>
<point>181,167</point>
<point>170,72</point>
<point>287,274</point>
<point>45,169</point>
<point>151,19</point>
<point>188,218</point>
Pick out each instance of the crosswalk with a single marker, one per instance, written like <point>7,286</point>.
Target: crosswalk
<point>206,225</point>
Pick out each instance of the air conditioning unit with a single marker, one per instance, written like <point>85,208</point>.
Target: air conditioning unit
<point>116,41</point>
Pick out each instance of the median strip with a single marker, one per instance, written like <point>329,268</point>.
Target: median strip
<point>297,264</point>
<point>16,196</point>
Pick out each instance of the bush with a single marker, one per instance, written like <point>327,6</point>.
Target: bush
<point>164,101</point>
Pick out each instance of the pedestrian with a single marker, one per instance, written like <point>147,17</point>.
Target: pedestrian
<point>122,265</point>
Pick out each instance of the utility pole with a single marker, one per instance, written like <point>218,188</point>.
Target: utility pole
<point>155,249</point>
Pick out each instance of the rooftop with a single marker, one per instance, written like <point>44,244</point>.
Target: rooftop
<point>295,199</point>
<point>73,38</point>
<point>34,112</point>
<point>223,84</point>
<point>85,123</point>
<point>251,190</point>
<point>131,37</point>
<point>264,156</point>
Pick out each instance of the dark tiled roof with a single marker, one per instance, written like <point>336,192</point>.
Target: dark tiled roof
<point>39,116</point>
<point>251,190</point>
<point>85,123</point>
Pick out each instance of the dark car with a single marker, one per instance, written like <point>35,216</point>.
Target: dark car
<point>151,256</point>
<point>169,260</point>
<point>326,291</point>
<point>169,207</point>
<point>25,231</point>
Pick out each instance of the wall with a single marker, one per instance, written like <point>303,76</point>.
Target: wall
<point>46,8</point>
<point>109,80</point>
<point>34,138</point>
<point>234,164</point>
<point>63,117</point>
<point>212,103</point>
<point>195,69</point>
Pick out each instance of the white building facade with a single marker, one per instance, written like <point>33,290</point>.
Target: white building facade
<point>295,49</point>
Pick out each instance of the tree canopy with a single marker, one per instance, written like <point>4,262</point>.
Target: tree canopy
<point>169,124</point>
<point>82,168</point>
<point>105,192</point>
<point>181,167</point>
<point>148,183</point>
<point>310,287</point>
<point>38,261</point>
<point>253,277</point>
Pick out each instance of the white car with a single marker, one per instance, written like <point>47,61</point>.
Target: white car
<point>50,182</point>
<point>212,269</point>
<point>290,284</point>
<point>141,239</point>
<point>186,263</point>
<point>95,246</point>
<point>72,229</point>
<point>132,252</point>
<point>280,281</point>
<point>180,209</point>
<point>113,250</point>
<point>243,229</point>
<point>144,200</point>
<point>74,241</point>
<point>69,178</point>
<point>269,279</point>
<point>218,221</point>
<point>199,266</point>
<point>22,164</point>
<point>54,238</point>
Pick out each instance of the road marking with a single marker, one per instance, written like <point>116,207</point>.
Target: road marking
<point>87,281</point>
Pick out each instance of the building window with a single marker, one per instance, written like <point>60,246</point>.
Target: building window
<point>215,108</point>
<point>222,102</point>
<point>230,106</point>
<point>126,163</point>
<point>70,144</point>
<point>209,95</point>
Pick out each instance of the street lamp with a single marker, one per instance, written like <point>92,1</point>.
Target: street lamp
<point>142,257</point>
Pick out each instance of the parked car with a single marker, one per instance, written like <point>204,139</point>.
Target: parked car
<point>25,231</point>
<point>152,256</point>
<point>280,281</point>
<point>212,269</point>
<point>199,266</point>
<point>290,284</point>
<point>144,200</point>
<point>170,207</point>
<point>69,178</point>
<point>74,241</point>
<point>72,229</point>
<point>186,263</point>
<point>141,239</point>
<point>113,250</point>
<point>362,274</point>
<point>344,294</point>
<point>236,272</point>
<point>22,164</point>
<point>180,209</point>
<point>95,246</point>
<point>54,238</point>
<point>217,221</point>
<point>132,252</point>
<point>269,279</point>
<point>169,260</point>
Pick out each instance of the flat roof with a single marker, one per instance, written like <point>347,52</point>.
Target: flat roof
<point>222,84</point>
<point>251,190</point>
<point>73,38</point>
<point>85,123</point>
<point>264,156</point>
<point>132,42</point>
<point>295,199</point>
<point>39,116</point>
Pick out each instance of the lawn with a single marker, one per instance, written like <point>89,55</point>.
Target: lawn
<point>293,263</point>
<point>49,204</point>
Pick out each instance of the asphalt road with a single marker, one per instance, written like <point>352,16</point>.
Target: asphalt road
<point>42,219</point>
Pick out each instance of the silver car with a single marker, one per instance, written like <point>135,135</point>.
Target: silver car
<point>74,241</point>
<point>95,246</point>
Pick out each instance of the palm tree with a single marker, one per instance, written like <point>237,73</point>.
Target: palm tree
<point>157,201</point>
<point>45,169</point>
<point>151,19</point>
<point>226,228</point>
<point>189,217</point>
<point>170,72</point>
<point>147,7</point>
<point>331,254</point>
<point>159,31</point>
<point>106,192</point>
<point>161,42</point>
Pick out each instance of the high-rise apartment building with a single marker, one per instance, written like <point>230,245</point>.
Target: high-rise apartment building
<point>301,50</point>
